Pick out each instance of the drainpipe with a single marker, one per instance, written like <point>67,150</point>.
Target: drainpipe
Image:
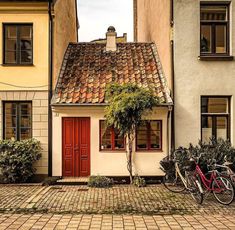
<point>169,114</point>
<point>172,75</point>
<point>50,89</point>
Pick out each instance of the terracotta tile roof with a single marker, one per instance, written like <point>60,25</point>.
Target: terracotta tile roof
<point>87,69</point>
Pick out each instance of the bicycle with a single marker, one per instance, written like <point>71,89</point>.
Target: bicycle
<point>219,185</point>
<point>227,170</point>
<point>174,181</point>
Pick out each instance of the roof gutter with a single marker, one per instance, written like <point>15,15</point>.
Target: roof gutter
<point>172,75</point>
<point>50,89</point>
<point>98,104</point>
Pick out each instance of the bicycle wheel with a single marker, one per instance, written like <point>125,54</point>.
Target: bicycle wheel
<point>195,189</point>
<point>173,182</point>
<point>223,190</point>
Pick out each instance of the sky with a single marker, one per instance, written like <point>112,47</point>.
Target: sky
<point>95,16</point>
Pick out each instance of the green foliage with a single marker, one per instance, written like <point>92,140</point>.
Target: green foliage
<point>127,104</point>
<point>214,151</point>
<point>100,182</point>
<point>139,181</point>
<point>17,159</point>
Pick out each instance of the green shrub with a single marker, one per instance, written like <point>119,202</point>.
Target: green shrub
<point>214,150</point>
<point>139,181</point>
<point>100,182</point>
<point>17,159</point>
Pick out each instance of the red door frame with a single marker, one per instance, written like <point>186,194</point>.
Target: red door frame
<point>76,150</point>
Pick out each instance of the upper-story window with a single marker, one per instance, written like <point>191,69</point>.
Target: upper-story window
<point>215,117</point>
<point>18,44</point>
<point>214,29</point>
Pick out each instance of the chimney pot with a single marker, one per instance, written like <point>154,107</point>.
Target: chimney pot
<point>111,35</point>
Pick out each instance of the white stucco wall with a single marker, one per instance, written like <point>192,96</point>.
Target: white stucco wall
<point>107,163</point>
<point>195,78</point>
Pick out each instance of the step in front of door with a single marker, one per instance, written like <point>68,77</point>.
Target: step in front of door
<point>73,181</point>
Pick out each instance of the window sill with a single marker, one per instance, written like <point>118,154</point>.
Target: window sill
<point>215,58</point>
<point>112,151</point>
<point>149,151</point>
<point>17,65</point>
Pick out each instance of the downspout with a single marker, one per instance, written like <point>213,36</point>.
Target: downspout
<point>172,75</point>
<point>168,130</point>
<point>50,90</point>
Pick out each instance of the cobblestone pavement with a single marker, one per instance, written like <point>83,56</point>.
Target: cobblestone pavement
<point>124,199</point>
<point>120,207</point>
<point>106,222</point>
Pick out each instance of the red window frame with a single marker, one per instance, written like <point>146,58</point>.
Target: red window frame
<point>148,135</point>
<point>112,140</point>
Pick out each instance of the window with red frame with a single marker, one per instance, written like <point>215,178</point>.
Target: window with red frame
<point>149,136</point>
<point>110,138</point>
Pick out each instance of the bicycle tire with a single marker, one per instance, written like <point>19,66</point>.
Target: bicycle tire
<point>173,183</point>
<point>194,189</point>
<point>225,190</point>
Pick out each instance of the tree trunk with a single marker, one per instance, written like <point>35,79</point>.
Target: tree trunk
<point>130,158</point>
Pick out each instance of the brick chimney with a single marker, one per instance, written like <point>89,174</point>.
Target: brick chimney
<point>111,36</point>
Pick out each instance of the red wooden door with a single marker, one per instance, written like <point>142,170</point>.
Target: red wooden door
<point>76,147</point>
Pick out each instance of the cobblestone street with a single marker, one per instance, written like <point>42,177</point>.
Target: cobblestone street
<point>122,199</point>
<point>120,207</point>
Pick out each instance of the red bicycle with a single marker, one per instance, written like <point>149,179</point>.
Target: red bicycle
<point>220,186</point>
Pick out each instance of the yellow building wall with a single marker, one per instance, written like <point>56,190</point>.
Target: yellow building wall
<point>30,77</point>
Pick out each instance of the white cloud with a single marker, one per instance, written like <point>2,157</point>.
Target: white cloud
<point>95,16</point>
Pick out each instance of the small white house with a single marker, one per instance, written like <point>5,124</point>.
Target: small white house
<point>82,144</point>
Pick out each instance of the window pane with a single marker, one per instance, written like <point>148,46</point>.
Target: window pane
<point>119,144</point>
<point>221,127</point>
<point>10,57</point>
<point>155,135</point>
<point>10,45</point>
<point>206,128</point>
<point>25,33</point>
<point>26,109</point>
<point>25,44</point>
<point>105,142</point>
<point>142,136</point>
<point>10,120</point>
<point>155,140</point>
<point>10,32</point>
<point>25,120</point>
<point>10,133</point>
<point>214,13</point>
<point>221,38</point>
<point>25,133</point>
<point>10,109</point>
<point>118,140</point>
<point>206,39</point>
<point>215,105</point>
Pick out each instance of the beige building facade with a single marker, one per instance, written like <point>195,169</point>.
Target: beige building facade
<point>202,65</point>
<point>107,163</point>
<point>27,63</point>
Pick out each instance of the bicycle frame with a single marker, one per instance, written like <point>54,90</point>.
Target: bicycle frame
<point>177,171</point>
<point>208,182</point>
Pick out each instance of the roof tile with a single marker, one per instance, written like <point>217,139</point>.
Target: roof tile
<point>87,69</point>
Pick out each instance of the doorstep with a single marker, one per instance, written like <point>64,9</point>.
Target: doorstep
<point>73,181</point>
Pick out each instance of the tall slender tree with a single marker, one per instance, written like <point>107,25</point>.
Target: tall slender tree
<point>127,104</point>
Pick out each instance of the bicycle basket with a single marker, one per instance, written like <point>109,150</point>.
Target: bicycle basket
<point>232,167</point>
<point>167,164</point>
<point>190,165</point>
